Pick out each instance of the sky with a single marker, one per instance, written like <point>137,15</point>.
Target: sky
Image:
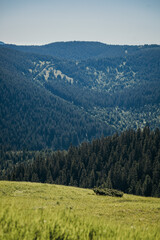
<point>38,22</point>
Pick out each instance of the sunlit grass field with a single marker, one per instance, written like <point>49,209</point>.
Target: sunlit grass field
<point>44,211</point>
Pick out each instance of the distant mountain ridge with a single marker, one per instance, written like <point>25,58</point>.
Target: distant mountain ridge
<point>78,50</point>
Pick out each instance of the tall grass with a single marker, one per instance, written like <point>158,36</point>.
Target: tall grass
<point>42,211</point>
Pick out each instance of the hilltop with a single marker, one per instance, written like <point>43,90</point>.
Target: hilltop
<point>82,50</point>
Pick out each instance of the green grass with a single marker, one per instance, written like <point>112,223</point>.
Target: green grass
<point>43,211</point>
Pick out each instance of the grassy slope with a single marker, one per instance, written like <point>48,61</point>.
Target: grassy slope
<point>43,211</point>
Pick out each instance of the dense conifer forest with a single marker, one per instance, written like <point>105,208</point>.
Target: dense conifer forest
<point>50,101</point>
<point>34,118</point>
<point>129,162</point>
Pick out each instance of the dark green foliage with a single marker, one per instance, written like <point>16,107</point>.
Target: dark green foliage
<point>129,162</point>
<point>33,118</point>
<point>36,113</point>
<point>108,192</point>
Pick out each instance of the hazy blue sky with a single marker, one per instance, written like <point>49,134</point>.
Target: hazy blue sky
<point>108,21</point>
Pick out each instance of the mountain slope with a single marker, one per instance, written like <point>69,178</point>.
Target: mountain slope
<point>32,117</point>
<point>51,102</point>
<point>122,91</point>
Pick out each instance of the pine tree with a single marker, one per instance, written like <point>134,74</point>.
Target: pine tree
<point>147,186</point>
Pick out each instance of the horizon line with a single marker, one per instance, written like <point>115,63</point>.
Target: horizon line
<point>80,41</point>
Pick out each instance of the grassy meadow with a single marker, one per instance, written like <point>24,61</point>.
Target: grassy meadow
<point>44,211</point>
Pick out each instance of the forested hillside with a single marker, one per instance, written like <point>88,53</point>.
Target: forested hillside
<point>93,91</point>
<point>129,162</point>
<point>33,118</point>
